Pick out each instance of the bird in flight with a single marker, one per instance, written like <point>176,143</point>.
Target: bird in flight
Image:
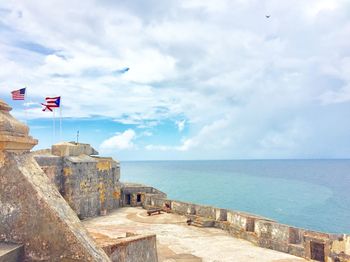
<point>267,16</point>
<point>121,71</point>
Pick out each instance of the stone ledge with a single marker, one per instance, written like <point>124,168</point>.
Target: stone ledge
<point>72,149</point>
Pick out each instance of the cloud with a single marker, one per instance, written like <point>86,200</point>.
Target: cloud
<point>288,138</point>
<point>180,125</point>
<point>334,97</point>
<point>159,148</point>
<point>235,76</point>
<point>121,141</point>
<point>205,139</point>
<point>147,133</point>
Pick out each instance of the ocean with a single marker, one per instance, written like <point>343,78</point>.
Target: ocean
<point>312,194</point>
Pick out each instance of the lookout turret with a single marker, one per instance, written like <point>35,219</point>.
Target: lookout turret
<point>14,135</point>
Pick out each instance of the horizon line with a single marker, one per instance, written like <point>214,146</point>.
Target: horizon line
<point>237,159</point>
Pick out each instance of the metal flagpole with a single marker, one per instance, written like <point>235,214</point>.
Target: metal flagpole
<point>60,119</point>
<point>54,127</point>
<point>24,106</point>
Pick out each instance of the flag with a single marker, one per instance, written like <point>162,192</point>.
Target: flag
<point>51,102</point>
<point>18,94</point>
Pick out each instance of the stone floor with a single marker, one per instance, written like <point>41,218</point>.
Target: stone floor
<point>178,242</point>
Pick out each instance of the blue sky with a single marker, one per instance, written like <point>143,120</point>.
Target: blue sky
<point>207,79</point>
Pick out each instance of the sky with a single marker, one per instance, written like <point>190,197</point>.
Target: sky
<point>207,79</point>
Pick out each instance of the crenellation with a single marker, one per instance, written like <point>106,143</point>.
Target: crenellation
<point>265,232</point>
<point>220,214</point>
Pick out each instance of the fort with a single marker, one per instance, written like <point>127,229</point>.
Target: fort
<point>68,204</point>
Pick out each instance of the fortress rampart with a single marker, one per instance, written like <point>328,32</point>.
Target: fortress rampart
<point>261,231</point>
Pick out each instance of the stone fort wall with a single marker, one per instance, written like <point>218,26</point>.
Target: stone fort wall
<point>88,183</point>
<point>91,186</point>
<point>260,231</point>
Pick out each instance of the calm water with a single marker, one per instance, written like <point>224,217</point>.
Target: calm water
<point>313,194</point>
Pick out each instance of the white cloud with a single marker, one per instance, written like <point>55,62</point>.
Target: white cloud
<point>316,7</point>
<point>180,125</point>
<point>288,138</point>
<point>159,148</point>
<point>334,97</point>
<point>147,133</point>
<point>205,139</point>
<point>120,141</point>
<point>200,60</point>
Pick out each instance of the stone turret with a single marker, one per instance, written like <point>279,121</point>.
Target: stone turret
<point>14,135</point>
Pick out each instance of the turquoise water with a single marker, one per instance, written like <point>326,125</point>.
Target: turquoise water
<point>313,194</point>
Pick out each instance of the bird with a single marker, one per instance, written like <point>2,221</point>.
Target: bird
<point>267,16</point>
<point>121,71</point>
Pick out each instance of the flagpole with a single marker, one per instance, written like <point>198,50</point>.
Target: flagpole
<point>24,106</point>
<point>60,119</point>
<point>54,127</point>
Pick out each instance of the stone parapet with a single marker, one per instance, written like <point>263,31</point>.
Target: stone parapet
<point>261,231</point>
<point>72,149</point>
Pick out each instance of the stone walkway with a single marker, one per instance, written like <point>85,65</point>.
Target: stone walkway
<point>178,242</point>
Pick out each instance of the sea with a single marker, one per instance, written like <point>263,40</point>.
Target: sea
<point>312,194</point>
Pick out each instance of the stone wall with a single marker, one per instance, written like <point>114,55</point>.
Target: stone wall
<point>262,231</point>
<point>32,212</point>
<point>137,248</point>
<point>135,194</point>
<point>89,184</point>
<point>53,168</point>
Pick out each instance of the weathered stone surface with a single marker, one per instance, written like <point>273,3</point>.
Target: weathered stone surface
<point>259,230</point>
<point>131,248</point>
<point>33,212</point>
<point>90,185</point>
<point>13,134</point>
<point>237,220</point>
<point>136,195</point>
<point>72,149</point>
<point>272,235</point>
<point>175,238</point>
<point>205,211</point>
<point>136,249</point>
<point>53,168</point>
<point>11,252</point>
<point>220,214</point>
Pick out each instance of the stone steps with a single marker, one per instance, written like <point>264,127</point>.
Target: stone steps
<point>201,221</point>
<point>197,224</point>
<point>11,252</point>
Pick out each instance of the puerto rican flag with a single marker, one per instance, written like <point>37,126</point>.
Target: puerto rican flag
<point>51,102</point>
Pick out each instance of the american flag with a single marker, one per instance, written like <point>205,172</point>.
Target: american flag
<point>18,94</point>
<point>52,102</point>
